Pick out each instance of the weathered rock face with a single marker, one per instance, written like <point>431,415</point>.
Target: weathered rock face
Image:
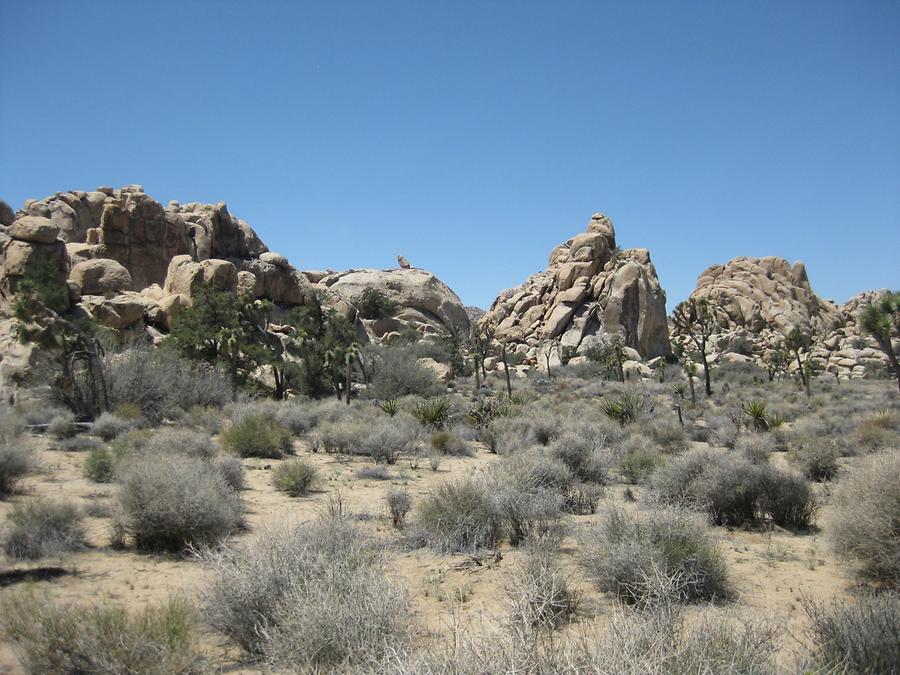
<point>766,293</point>
<point>422,299</point>
<point>589,288</point>
<point>758,301</point>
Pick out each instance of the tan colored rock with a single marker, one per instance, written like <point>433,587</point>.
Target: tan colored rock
<point>34,229</point>
<point>441,371</point>
<point>185,276</point>
<point>585,291</point>
<point>7,215</point>
<point>121,311</point>
<point>100,276</point>
<point>171,307</point>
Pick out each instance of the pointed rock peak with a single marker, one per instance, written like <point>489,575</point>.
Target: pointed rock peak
<point>600,224</point>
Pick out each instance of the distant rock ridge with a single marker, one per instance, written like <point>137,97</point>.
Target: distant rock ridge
<point>758,301</point>
<point>590,288</point>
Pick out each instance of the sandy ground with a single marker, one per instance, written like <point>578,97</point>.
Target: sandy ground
<point>772,569</point>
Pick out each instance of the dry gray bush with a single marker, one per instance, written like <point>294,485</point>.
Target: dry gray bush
<point>169,502</point>
<point>660,557</point>
<point>399,504</point>
<point>314,597</point>
<point>109,426</point>
<point>177,441</point>
<point>42,527</point>
<point>15,462</point>
<point>52,638</point>
<point>538,594</point>
<point>866,514</point>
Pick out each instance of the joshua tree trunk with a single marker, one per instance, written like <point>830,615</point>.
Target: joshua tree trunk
<point>693,393</point>
<point>349,379</point>
<point>362,368</point>
<point>804,377</point>
<point>477,377</point>
<point>888,348</point>
<point>506,370</point>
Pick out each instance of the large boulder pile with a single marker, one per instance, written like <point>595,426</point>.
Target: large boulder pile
<point>758,301</point>
<point>589,290</point>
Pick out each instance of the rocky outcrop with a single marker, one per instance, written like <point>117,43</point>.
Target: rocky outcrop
<point>421,299</point>
<point>758,301</point>
<point>590,288</point>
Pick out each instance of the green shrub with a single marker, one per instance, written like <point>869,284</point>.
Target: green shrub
<point>170,502</point>
<point>817,460</point>
<point>434,413</point>
<point>866,514</point>
<point>62,426</point>
<point>788,499</point>
<point>638,460</point>
<point>313,598</point>
<point>627,408</point>
<point>257,436</point>
<point>53,638</point>
<point>859,636</point>
<point>373,304</point>
<point>42,528</point>
<point>15,462</point>
<point>98,465</point>
<point>296,477</point>
<point>663,558</point>
<point>448,443</point>
<point>395,372</point>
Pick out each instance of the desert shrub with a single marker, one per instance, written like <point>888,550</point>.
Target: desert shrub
<point>533,426</point>
<point>373,304</point>
<point>41,528</point>
<point>459,516</point>
<point>733,490</point>
<point>450,443</point>
<point>310,598</point>
<point>205,418</point>
<point>536,470</point>
<point>15,462</point>
<point>867,510</point>
<point>257,436</point>
<point>627,408</point>
<point>637,460</point>
<point>538,594</point>
<point>724,430</point>
<point>373,472</point>
<point>161,383</point>
<point>523,513</point>
<point>434,413</point>
<point>859,636</point>
<point>581,500</point>
<point>169,502</point>
<point>99,465</point>
<point>817,460</point>
<point>665,557</point>
<point>394,372</point>
<point>755,448</point>
<point>109,426</point>
<point>388,439</point>
<point>62,426</point>
<point>54,638</point>
<point>298,414</point>
<point>232,472</point>
<point>399,504</point>
<point>185,442</point>
<point>582,456</point>
<point>77,444</point>
<point>296,477</point>
<point>668,435</point>
<point>788,498</point>
<point>876,432</point>
<point>12,423</point>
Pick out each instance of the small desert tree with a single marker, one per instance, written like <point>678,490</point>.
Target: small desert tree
<point>777,361</point>
<point>881,320</point>
<point>795,341</point>
<point>695,318</point>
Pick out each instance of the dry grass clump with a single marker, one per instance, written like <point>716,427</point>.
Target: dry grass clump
<point>15,462</point>
<point>817,459</point>
<point>41,527</point>
<point>460,516</point>
<point>310,598</point>
<point>62,425</point>
<point>637,458</point>
<point>877,431</point>
<point>756,448</point>
<point>399,504</point>
<point>368,433</point>
<point>668,435</point>
<point>185,442</point>
<point>665,556</point>
<point>257,436</point>
<point>55,638</point>
<point>295,478</point>
<point>867,512</point>
<point>584,456</point>
<point>170,502</point>
<point>298,414</point>
<point>857,636</point>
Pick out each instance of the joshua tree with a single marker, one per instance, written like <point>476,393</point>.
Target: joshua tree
<point>777,361</point>
<point>696,318</point>
<point>503,358</point>
<point>690,369</point>
<point>881,320</point>
<point>795,341</point>
<point>351,354</point>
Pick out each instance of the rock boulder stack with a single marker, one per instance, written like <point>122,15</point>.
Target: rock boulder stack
<point>590,288</point>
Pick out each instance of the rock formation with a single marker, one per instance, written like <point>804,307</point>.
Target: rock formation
<point>590,288</point>
<point>133,265</point>
<point>758,301</point>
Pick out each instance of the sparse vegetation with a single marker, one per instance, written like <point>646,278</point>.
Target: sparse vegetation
<point>295,478</point>
<point>257,436</point>
<point>15,461</point>
<point>42,527</point>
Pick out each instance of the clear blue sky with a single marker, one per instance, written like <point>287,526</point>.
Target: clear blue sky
<point>473,137</point>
